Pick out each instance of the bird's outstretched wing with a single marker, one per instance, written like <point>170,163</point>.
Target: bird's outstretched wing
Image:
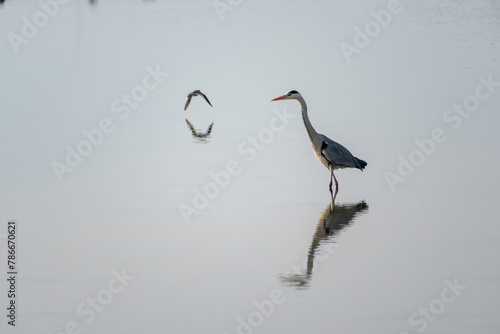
<point>337,155</point>
<point>206,98</point>
<point>188,101</point>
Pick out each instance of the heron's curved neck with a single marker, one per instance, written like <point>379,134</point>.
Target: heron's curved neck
<point>310,130</point>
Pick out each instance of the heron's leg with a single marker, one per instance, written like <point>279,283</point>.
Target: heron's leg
<point>332,177</point>
<point>336,183</point>
<point>336,186</point>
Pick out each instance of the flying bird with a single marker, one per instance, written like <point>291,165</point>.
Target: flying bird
<point>330,153</point>
<point>195,93</point>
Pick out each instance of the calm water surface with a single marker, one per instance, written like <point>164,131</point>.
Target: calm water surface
<point>219,220</point>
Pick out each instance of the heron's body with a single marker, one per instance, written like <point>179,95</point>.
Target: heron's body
<point>331,154</point>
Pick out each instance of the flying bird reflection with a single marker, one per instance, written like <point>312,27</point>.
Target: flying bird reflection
<point>201,137</point>
<point>195,93</point>
<point>333,220</point>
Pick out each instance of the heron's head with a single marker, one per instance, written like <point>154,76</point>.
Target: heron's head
<point>290,95</point>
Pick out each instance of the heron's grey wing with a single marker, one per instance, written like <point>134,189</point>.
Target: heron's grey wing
<point>188,101</point>
<point>337,154</point>
<point>206,98</point>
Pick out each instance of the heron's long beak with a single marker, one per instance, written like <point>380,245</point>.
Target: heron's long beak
<point>279,98</point>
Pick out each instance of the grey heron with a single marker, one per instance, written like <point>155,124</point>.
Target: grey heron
<point>330,153</point>
<point>195,93</point>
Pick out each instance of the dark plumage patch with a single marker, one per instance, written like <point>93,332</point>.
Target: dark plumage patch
<point>324,145</point>
<point>292,92</point>
<point>362,163</point>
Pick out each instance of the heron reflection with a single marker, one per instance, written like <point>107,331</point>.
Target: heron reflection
<point>333,220</point>
<point>202,137</point>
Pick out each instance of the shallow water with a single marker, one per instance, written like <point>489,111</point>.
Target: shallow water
<point>234,231</point>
